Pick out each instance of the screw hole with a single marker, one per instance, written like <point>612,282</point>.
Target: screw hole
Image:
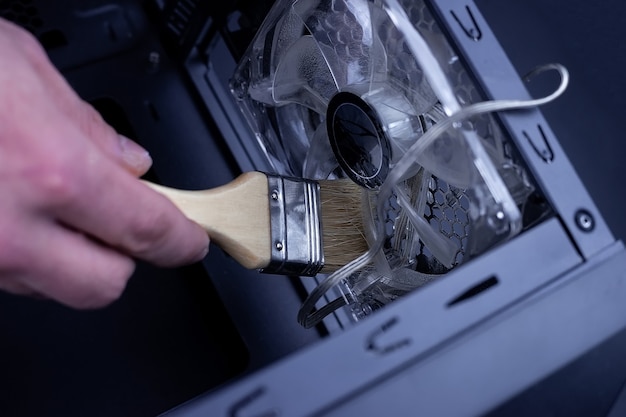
<point>584,220</point>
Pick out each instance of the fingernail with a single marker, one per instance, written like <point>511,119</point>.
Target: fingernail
<point>204,253</point>
<point>134,155</point>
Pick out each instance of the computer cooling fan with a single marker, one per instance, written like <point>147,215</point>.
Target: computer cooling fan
<point>337,88</point>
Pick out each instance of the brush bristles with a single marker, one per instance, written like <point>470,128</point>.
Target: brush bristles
<point>342,223</point>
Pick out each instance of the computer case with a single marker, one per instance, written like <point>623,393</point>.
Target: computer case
<point>534,325</point>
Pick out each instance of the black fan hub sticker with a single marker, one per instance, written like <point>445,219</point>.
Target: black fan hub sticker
<point>358,139</point>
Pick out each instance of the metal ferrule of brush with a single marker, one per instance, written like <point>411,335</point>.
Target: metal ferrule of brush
<point>296,230</point>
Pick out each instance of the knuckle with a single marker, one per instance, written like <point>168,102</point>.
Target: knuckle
<point>56,184</point>
<point>150,232</point>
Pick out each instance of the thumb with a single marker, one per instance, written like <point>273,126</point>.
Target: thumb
<point>135,158</point>
<point>124,151</point>
<point>78,112</point>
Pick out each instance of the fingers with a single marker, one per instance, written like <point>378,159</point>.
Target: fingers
<point>115,207</point>
<point>68,267</point>
<point>120,149</point>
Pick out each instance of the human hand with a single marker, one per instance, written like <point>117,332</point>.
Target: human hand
<point>72,213</point>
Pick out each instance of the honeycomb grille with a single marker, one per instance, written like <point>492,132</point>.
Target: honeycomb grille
<point>23,13</point>
<point>447,210</point>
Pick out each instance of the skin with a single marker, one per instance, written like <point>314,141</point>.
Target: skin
<point>73,214</point>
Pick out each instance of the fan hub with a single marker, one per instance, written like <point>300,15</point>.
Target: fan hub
<point>358,139</point>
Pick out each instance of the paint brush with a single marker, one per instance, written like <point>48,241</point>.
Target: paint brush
<point>286,226</point>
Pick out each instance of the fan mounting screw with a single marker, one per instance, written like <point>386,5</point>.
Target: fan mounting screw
<point>585,221</point>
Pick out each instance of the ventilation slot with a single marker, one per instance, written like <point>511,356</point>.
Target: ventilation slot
<point>180,15</point>
<point>472,292</point>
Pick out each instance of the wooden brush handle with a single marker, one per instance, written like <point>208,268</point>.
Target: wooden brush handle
<point>236,216</point>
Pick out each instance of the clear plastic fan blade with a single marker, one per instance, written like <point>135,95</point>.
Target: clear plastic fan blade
<point>348,37</point>
<point>303,76</point>
<point>378,70</point>
<point>289,29</point>
<point>449,159</point>
<point>320,160</point>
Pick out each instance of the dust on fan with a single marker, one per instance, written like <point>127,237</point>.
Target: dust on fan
<point>345,88</point>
